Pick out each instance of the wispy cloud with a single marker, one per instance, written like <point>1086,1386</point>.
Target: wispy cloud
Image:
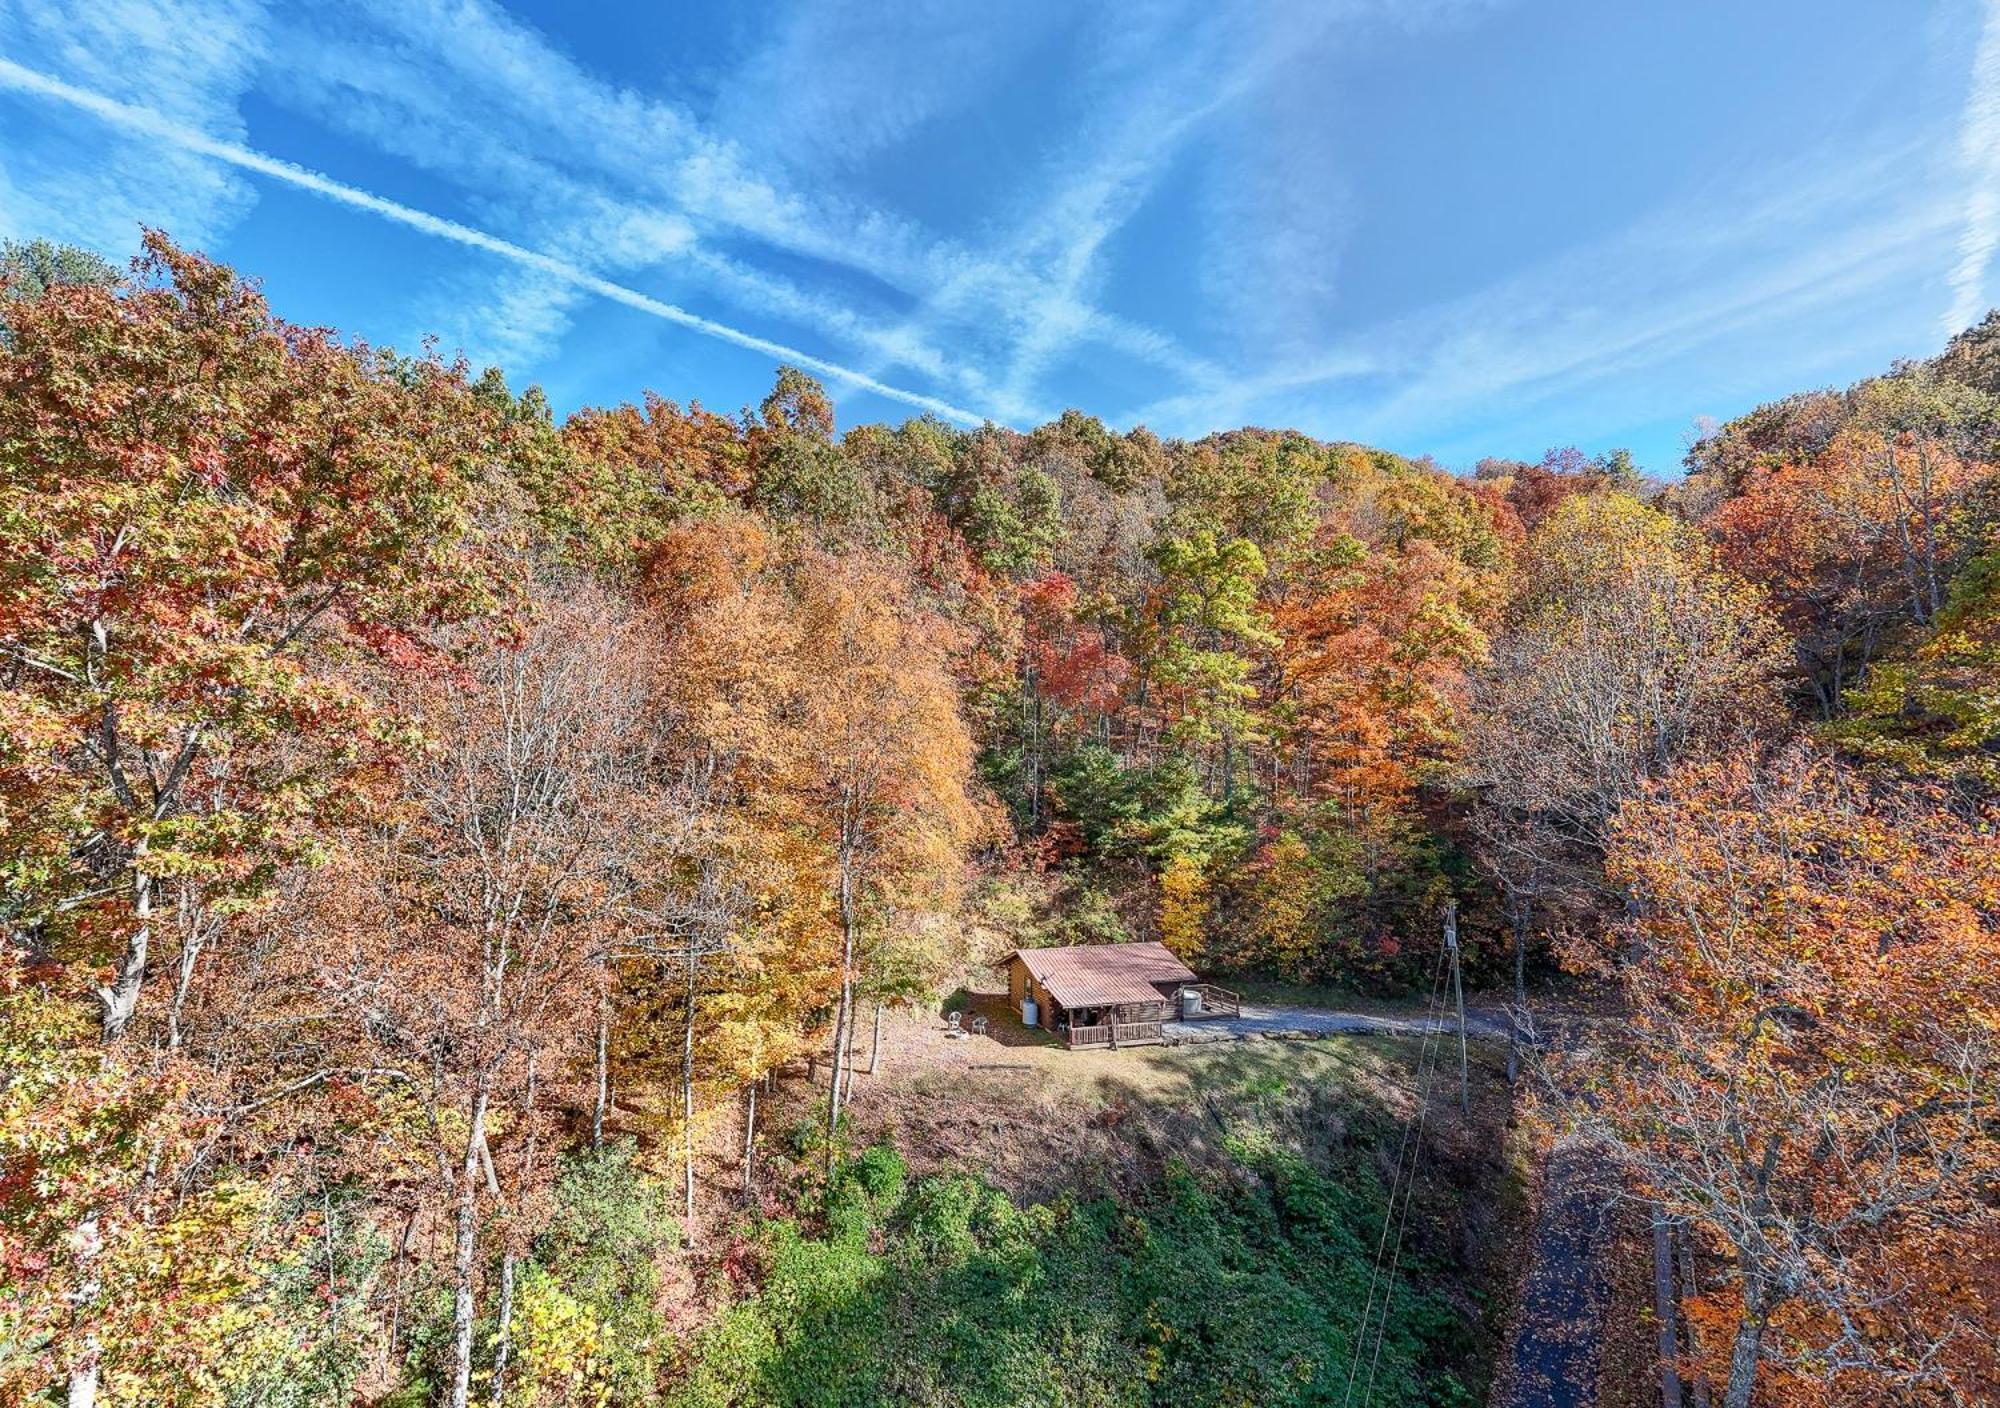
<point>191,61</point>
<point>1162,70</point>
<point>1979,149</point>
<point>840,82</point>
<point>132,118</point>
<point>792,196</point>
<point>1687,282</point>
<point>472,95</point>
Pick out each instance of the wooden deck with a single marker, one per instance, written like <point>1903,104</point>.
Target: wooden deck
<point>1215,1002</point>
<point>1218,1002</point>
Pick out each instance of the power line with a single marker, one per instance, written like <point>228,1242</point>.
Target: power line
<point>1407,1151</point>
<point>1428,1077</point>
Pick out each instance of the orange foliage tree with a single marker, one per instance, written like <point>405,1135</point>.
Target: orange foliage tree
<point>1807,1072</point>
<point>1853,544</point>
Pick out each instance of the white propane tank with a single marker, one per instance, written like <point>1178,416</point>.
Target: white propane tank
<point>1031,1013</point>
<point>1190,1003</point>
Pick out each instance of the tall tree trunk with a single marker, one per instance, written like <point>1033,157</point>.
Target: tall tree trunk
<point>121,997</point>
<point>1663,1310</point>
<point>1521,908</point>
<point>750,1138</point>
<point>396,1292</point>
<point>1743,1356</point>
<point>844,1016</point>
<point>83,1375</point>
<point>1518,906</point>
<point>503,1337</point>
<point>602,1098</point>
<point>83,1380</point>
<point>192,942</point>
<point>875,1043</point>
<point>687,1102</point>
<point>465,1250</point>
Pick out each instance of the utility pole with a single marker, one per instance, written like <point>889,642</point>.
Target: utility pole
<point>1458,996</point>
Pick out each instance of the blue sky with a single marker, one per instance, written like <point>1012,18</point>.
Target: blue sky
<point>1445,226</point>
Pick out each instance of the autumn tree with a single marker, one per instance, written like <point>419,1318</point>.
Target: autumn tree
<point>1934,707</point>
<point>797,473</point>
<point>1379,625</point>
<point>1255,486</point>
<point>521,863</point>
<point>1806,1071</point>
<point>1625,650</point>
<point>879,774</point>
<point>1853,545</point>
<point>207,507</point>
<point>1070,674</point>
<point>721,723</point>
<point>30,268</point>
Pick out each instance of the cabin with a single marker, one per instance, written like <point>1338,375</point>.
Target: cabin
<point>1107,994</point>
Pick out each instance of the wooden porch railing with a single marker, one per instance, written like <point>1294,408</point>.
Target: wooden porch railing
<point>1117,1034</point>
<point>1217,1001</point>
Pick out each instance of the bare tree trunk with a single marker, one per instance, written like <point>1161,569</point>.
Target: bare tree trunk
<point>749,1138</point>
<point>192,943</point>
<point>396,1289</point>
<point>602,1098</point>
<point>503,1339</point>
<point>875,1043</point>
<point>1518,906</point>
<point>84,1375</point>
<point>1663,1310</point>
<point>464,1252</point>
<point>1743,1356</point>
<point>687,1103</point>
<point>83,1380</point>
<point>844,1015</point>
<point>121,997</point>
<point>1521,908</point>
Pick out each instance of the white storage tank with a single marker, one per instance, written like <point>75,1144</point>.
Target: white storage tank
<point>1031,1012</point>
<point>1190,1003</point>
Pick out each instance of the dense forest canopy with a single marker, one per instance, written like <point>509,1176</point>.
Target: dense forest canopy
<point>408,798</point>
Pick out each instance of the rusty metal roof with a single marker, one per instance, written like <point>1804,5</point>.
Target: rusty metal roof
<point>1104,975</point>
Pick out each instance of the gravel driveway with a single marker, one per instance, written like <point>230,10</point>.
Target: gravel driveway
<point>1320,1021</point>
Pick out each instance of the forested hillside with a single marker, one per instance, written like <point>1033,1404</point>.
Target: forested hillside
<point>424,823</point>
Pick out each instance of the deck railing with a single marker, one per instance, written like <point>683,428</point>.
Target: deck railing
<point>1090,1036</point>
<point>1218,1002</point>
<point>1137,1034</point>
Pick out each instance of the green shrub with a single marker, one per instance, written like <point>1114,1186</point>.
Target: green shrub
<point>938,1290</point>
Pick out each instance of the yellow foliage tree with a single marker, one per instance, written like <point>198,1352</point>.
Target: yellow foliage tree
<point>1183,906</point>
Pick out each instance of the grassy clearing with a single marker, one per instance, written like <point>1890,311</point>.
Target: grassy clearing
<point>1191,1225</point>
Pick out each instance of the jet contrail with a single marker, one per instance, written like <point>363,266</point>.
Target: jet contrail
<point>153,124</point>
